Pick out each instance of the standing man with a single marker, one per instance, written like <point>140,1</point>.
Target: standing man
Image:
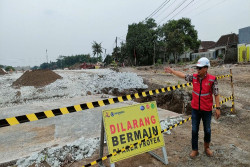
<point>204,85</point>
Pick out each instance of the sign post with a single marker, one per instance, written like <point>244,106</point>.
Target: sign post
<point>128,125</point>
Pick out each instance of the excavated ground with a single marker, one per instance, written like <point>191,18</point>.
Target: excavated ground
<point>230,133</point>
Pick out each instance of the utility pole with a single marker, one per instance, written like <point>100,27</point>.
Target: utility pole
<point>47,57</point>
<point>116,48</point>
<point>105,55</point>
<point>116,41</point>
<point>226,51</point>
<point>154,54</point>
<point>135,56</point>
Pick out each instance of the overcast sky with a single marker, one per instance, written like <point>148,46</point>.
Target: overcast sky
<point>68,27</point>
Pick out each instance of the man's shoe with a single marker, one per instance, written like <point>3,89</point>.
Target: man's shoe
<point>207,150</point>
<point>194,153</point>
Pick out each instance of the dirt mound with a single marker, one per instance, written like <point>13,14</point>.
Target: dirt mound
<point>36,78</point>
<point>2,72</point>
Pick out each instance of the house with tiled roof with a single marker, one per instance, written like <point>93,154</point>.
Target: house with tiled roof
<point>204,50</point>
<point>205,45</point>
<point>225,47</point>
<point>225,42</point>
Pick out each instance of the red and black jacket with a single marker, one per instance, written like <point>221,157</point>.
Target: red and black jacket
<point>203,93</point>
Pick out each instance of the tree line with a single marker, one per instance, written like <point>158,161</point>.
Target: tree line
<point>68,61</point>
<point>146,43</point>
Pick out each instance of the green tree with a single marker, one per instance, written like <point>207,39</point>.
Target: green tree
<point>116,54</point>
<point>108,59</point>
<point>9,68</point>
<point>35,68</point>
<point>179,36</point>
<point>97,48</point>
<point>59,61</point>
<point>44,66</point>
<point>140,42</point>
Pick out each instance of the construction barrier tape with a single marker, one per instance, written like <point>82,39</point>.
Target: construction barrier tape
<point>85,106</point>
<point>224,101</point>
<point>222,97</point>
<point>147,138</point>
<point>223,76</point>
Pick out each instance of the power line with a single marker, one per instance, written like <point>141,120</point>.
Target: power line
<point>182,9</point>
<point>196,2</point>
<point>210,8</point>
<point>165,9</point>
<point>200,5</point>
<point>158,9</point>
<point>154,13</point>
<point>173,10</point>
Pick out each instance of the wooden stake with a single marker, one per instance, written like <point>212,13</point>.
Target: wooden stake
<point>232,87</point>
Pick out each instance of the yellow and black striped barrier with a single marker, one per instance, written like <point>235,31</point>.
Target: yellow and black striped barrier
<point>224,101</point>
<point>85,106</point>
<point>223,76</point>
<point>147,138</point>
<point>232,109</point>
<point>222,97</point>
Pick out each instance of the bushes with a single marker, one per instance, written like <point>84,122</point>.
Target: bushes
<point>158,62</point>
<point>9,68</point>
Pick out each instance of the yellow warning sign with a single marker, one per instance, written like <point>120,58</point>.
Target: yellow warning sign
<point>128,125</point>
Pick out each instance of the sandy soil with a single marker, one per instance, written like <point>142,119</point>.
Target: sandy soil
<point>230,134</point>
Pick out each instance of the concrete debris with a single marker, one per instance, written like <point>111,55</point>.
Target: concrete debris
<point>78,150</point>
<point>73,83</point>
<point>60,156</point>
<point>170,122</point>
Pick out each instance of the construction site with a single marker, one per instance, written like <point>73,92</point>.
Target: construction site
<point>74,139</point>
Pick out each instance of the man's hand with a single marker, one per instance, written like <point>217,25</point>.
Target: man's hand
<point>169,70</point>
<point>177,73</point>
<point>217,113</point>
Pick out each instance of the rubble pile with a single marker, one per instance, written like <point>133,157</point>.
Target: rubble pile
<point>61,156</point>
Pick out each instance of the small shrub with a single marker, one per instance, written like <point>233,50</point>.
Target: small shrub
<point>9,68</point>
<point>114,64</point>
<point>168,83</point>
<point>181,63</point>
<point>220,56</point>
<point>158,62</point>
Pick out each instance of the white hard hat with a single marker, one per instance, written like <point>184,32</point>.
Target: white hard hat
<point>203,62</point>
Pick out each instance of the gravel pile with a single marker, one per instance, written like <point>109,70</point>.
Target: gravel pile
<point>73,83</point>
<point>60,156</point>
